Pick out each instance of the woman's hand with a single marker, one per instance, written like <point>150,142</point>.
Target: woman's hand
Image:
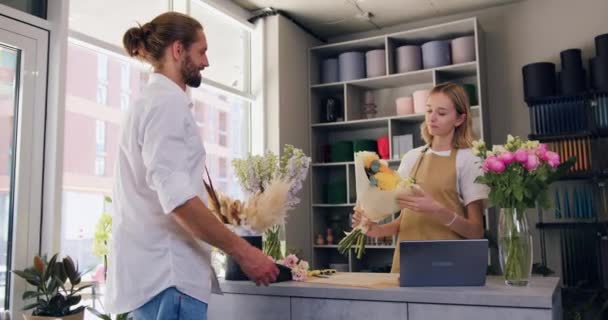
<point>359,218</point>
<point>418,200</point>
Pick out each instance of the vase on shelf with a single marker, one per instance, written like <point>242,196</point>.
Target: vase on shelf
<point>515,246</point>
<point>369,107</point>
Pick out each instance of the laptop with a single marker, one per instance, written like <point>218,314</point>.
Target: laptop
<point>443,263</point>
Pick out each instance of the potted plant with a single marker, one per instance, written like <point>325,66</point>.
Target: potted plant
<point>53,297</point>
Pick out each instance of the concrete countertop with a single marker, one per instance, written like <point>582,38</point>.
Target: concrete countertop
<point>541,293</point>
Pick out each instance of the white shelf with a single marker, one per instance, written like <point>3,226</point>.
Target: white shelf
<point>404,79</point>
<point>376,122</point>
<point>333,86</point>
<point>352,163</point>
<point>334,49</point>
<point>335,246</point>
<point>395,80</point>
<point>460,70</point>
<point>378,247</point>
<point>331,164</point>
<point>338,205</point>
<point>369,123</point>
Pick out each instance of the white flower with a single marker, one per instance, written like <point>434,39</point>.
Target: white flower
<point>510,138</point>
<point>498,149</point>
<point>303,265</point>
<point>479,144</point>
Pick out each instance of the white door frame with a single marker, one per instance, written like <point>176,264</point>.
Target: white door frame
<point>28,176</point>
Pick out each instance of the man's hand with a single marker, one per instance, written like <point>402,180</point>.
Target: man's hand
<point>256,265</point>
<point>196,218</point>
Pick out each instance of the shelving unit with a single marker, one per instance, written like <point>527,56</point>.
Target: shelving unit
<point>339,176</point>
<point>575,125</point>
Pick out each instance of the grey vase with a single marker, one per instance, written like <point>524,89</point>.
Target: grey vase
<point>436,54</point>
<point>351,65</point>
<point>375,63</point>
<point>408,58</point>
<point>463,49</point>
<point>329,71</point>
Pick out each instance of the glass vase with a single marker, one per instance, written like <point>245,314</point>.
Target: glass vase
<point>515,246</point>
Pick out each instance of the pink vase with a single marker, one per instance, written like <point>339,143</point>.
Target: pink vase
<point>405,105</point>
<point>420,98</point>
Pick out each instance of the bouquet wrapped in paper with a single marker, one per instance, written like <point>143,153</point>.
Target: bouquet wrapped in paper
<point>377,187</point>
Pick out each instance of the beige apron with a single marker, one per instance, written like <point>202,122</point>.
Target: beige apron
<point>436,175</point>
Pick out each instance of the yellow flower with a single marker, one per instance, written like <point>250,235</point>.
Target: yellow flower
<point>387,180</point>
<point>407,182</point>
<point>385,169</point>
<point>368,158</point>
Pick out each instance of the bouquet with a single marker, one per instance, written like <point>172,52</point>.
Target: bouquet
<point>299,268</point>
<point>271,183</point>
<point>520,172</point>
<point>377,187</point>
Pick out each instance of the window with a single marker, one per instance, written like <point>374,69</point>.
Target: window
<point>35,7</point>
<point>102,68</point>
<point>229,47</point>
<point>222,130</point>
<point>100,165</point>
<point>23,88</point>
<point>125,101</point>
<point>223,168</point>
<point>100,137</point>
<point>100,73</point>
<point>125,86</point>
<point>102,79</point>
<point>125,77</point>
<point>8,74</point>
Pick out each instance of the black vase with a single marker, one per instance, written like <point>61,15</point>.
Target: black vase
<point>233,270</point>
<point>539,80</point>
<point>332,110</point>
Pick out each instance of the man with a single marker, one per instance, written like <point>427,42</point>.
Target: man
<point>158,268</point>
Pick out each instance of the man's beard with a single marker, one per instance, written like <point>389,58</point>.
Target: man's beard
<point>191,73</point>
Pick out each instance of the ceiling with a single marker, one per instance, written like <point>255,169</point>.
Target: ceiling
<point>329,18</point>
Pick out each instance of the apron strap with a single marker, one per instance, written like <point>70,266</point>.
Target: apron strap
<point>416,166</point>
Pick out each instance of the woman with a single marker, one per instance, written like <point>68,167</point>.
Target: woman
<point>449,204</point>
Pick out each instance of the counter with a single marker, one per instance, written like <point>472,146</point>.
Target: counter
<point>541,299</point>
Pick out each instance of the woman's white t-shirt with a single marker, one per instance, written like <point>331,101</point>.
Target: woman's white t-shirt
<point>468,168</point>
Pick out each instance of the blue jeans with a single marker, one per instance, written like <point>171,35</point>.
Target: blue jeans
<point>171,304</point>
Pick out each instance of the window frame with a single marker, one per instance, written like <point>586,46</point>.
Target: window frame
<point>25,230</point>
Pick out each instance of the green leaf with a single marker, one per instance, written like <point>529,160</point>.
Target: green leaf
<point>50,267</point>
<point>70,269</point>
<point>31,306</point>
<point>52,285</point>
<point>31,294</point>
<point>60,272</point>
<point>81,288</point>
<point>31,277</point>
<point>73,300</point>
<point>99,314</point>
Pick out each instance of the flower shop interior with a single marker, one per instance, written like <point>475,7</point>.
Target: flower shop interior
<point>316,103</point>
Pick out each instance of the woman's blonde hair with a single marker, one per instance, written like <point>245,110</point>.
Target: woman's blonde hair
<point>463,134</point>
